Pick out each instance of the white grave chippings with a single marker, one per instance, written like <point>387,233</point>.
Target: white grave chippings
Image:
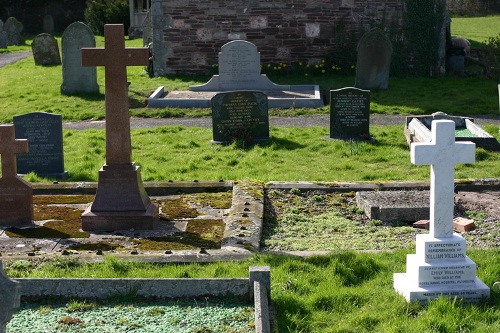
<point>440,266</point>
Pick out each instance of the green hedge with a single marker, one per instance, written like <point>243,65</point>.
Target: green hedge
<point>100,12</point>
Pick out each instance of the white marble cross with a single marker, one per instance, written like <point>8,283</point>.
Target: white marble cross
<point>442,153</point>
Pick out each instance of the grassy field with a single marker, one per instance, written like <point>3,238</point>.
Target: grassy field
<point>340,292</point>
<point>477,29</point>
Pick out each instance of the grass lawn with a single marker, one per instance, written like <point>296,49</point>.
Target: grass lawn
<point>340,292</point>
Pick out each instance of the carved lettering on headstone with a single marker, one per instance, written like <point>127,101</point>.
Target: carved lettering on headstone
<point>350,114</point>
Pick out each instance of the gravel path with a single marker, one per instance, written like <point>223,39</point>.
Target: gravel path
<point>11,57</point>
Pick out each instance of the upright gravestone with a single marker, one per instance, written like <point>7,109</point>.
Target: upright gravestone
<point>147,30</point>
<point>14,29</point>
<point>440,266</point>
<point>10,294</point>
<point>45,50</point>
<point>240,115</point>
<point>76,78</point>
<point>374,61</point>
<point>48,24</point>
<point>1,25</point>
<point>3,39</point>
<point>16,195</point>
<point>121,202</point>
<point>350,114</point>
<point>44,133</point>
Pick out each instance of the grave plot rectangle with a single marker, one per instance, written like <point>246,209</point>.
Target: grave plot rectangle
<point>44,133</point>
<point>350,114</point>
<point>240,115</point>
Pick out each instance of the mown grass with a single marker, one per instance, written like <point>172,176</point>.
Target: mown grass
<point>340,292</point>
<point>186,153</point>
<point>477,29</point>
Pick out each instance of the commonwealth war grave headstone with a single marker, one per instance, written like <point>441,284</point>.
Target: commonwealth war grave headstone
<point>440,266</point>
<point>76,78</point>
<point>374,61</point>
<point>10,294</point>
<point>14,29</point>
<point>45,50</point>
<point>240,115</point>
<point>121,202</point>
<point>16,195</point>
<point>44,133</point>
<point>350,114</point>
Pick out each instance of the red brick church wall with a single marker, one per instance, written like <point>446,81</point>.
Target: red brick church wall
<point>188,34</point>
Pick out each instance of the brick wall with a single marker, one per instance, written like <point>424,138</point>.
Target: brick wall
<point>188,34</point>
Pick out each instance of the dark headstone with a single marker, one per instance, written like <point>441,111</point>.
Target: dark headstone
<point>3,39</point>
<point>44,133</point>
<point>76,78</point>
<point>45,50</point>
<point>14,29</point>
<point>240,115</point>
<point>10,294</point>
<point>350,114</point>
<point>374,61</point>
<point>48,24</point>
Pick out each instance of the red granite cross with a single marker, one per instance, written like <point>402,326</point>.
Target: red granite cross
<point>115,58</point>
<point>9,147</point>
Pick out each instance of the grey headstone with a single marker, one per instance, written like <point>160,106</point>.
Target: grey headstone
<point>240,115</point>
<point>239,65</point>
<point>45,50</point>
<point>374,61</point>
<point>147,30</point>
<point>14,29</point>
<point>1,25</point>
<point>76,78</point>
<point>48,24</point>
<point>3,39</point>
<point>350,113</point>
<point>44,133</point>
<point>10,294</point>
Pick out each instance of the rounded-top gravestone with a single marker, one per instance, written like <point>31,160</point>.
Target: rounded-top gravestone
<point>374,61</point>
<point>14,29</point>
<point>45,50</point>
<point>76,78</point>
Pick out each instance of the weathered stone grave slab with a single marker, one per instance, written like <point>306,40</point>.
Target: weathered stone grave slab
<point>14,29</point>
<point>45,50</point>
<point>440,266</point>
<point>10,294</point>
<point>239,69</point>
<point>121,202</point>
<point>240,115</point>
<point>417,129</point>
<point>46,154</point>
<point>16,195</point>
<point>76,78</point>
<point>374,61</point>
<point>350,114</point>
<point>405,206</point>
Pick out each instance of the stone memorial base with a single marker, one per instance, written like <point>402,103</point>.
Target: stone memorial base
<point>121,202</point>
<point>16,202</point>
<point>440,267</point>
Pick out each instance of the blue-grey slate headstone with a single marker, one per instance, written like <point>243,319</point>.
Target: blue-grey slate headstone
<point>240,115</point>
<point>44,133</point>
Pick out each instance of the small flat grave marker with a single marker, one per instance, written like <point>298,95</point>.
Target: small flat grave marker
<point>350,114</point>
<point>44,133</point>
<point>240,115</point>
<point>16,195</point>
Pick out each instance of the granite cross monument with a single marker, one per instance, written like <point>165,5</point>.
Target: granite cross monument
<point>16,195</point>
<point>121,201</point>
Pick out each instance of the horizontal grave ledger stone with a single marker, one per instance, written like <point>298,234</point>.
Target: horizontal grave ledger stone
<point>44,133</point>
<point>240,115</point>
<point>350,114</point>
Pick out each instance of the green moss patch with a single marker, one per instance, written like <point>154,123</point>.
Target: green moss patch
<point>200,233</point>
<point>62,199</point>
<point>171,209</point>
<point>217,200</point>
<point>103,246</point>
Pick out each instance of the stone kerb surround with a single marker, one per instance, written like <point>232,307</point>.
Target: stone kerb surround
<point>188,34</point>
